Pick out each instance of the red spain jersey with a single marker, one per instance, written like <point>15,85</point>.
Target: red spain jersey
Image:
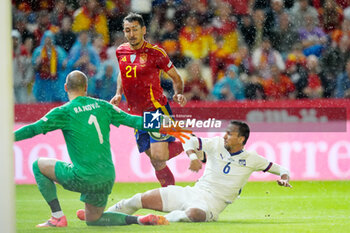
<point>140,72</point>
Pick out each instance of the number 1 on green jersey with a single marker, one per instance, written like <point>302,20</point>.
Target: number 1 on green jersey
<point>93,120</point>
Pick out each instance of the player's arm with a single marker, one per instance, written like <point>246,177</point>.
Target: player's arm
<point>262,164</point>
<point>55,119</point>
<point>118,95</point>
<point>120,117</point>
<point>281,171</point>
<point>178,86</point>
<point>190,146</point>
<point>28,131</point>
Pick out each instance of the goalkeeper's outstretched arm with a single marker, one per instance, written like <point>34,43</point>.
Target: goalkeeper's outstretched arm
<point>28,131</point>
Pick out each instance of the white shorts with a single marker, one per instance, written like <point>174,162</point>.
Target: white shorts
<point>182,198</point>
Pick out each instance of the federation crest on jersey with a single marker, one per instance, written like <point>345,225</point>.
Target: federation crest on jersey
<point>242,162</point>
<point>132,58</point>
<point>143,58</point>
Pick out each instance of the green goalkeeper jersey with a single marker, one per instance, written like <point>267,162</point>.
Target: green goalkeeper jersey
<point>85,123</point>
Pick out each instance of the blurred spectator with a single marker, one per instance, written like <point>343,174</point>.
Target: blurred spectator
<point>278,86</point>
<point>37,5</point>
<point>273,15</point>
<point>296,69</point>
<point>84,57</point>
<point>261,31</point>
<point>343,83</point>
<point>195,87</point>
<point>117,39</point>
<point>100,48</point>
<point>243,60</point>
<point>332,64</point>
<point>331,16</point>
<point>265,57</point>
<point>261,4</point>
<point>91,17</point>
<point>313,88</point>
<point>229,87</point>
<point>219,59</point>
<point>59,12</point>
<point>195,42</point>
<point>144,8</point>
<point>344,51</point>
<point>43,25</point>
<point>116,10</point>
<point>225,25</point>
<point>300,9</point>
<point>240,8</point>
<point>65,37</point>
<point>347,13</point>
<point>169,41</point>
<point>106,80</point>
<point>28,46</point>
<point>22,70</point>
<point>203,12</point>
<point>312,37</point>
<point>254,90</point>
<point>48,62</point>
<point>182,11</point>
<point>155,25</point>
<point>248,31</point>
<point>284,36</point>
<point>20,23</point>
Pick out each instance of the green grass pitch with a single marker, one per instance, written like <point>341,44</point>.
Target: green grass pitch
<point>318,206</point>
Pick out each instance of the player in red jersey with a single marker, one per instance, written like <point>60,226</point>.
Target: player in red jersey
<point>141,64</point>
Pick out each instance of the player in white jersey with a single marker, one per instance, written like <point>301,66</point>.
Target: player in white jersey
<point>227,170</point>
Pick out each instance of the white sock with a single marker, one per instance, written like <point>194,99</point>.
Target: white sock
<point>127,206</point>
<point>57,214</point>
<point>177,216</point>
<point>134,202</point>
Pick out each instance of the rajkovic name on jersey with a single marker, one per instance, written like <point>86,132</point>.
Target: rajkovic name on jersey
<point>85,108</point>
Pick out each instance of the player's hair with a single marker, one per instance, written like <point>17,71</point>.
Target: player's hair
<point>243,130</point>
<point>131,17</point>
<point>76,81</point>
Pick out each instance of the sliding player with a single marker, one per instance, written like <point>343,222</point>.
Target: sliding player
<point>227,170</point>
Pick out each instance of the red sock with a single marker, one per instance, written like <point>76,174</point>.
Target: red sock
<point>165,177</point>
<point>175,148</point>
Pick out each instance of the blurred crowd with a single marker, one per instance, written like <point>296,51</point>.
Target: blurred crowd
<point>224,49</point>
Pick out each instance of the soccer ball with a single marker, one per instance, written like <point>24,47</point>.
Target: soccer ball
<point>159,136</point>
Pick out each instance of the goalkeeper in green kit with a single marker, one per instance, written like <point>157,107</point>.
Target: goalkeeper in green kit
<point>85,123</point>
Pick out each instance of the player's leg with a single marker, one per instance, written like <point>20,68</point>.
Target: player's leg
<point>171,199</point>
<point>184,204</point>
<point>95,216</point>
<point>144,144</point>
<point>44,173</point>
<point>159,154</point>
<point>189,215</point>
<point>174,148</point>
<point>148,200</point>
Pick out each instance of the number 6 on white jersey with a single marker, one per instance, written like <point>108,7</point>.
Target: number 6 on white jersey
<point>93,119</point>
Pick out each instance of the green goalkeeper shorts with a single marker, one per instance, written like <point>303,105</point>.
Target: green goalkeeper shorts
<point>94,193</point>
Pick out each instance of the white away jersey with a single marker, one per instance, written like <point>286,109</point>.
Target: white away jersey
<point>225,174</point>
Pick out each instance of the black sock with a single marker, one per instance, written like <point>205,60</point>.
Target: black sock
<point>54,205</point>
<point>131,219</point>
